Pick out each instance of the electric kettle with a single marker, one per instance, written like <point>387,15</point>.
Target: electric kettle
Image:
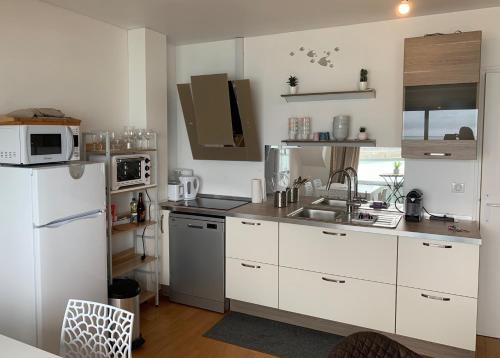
<point>191,186</point>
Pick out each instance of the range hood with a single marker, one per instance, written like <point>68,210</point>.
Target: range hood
<point>220,119</point>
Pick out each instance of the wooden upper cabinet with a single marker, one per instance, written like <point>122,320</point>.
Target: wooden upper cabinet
<point>442,59</point>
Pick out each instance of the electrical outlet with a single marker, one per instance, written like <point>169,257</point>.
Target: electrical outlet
<point>457,187</point>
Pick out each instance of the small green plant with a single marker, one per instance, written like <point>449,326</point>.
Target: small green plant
<point>397,165</point>
<point>293,81</point>
<point>363,75</point>
<point>362,129</point>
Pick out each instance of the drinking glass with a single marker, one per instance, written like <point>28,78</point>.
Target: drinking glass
<point>148,136</point>
<point>139,138</point>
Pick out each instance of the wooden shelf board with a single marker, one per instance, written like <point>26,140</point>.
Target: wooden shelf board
<point>119,229</point>
<point>328,96</point>
<point>119,151</point>
<point>146,296</point>
<point>66,121</point>
<point>133,188</point>
<point>127,261</point>
<point>332,143</point>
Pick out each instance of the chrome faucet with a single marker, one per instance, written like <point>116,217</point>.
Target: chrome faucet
<point>350,203</point>
<point>354,175</point>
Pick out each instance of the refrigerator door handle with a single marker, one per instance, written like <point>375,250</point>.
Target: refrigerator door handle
<point>61,222</point>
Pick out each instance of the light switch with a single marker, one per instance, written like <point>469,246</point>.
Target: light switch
<point>458,187</point>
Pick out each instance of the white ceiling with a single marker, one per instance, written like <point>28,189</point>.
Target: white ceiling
<point>189,21</point>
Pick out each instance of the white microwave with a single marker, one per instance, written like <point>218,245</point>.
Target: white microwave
<point>129,169</point>
<point>38,144</point>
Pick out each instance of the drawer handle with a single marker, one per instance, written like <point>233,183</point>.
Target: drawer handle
<point>250,266</point>
<point>250,223</point>
<point>332,280</point>
<point>440,246</point>
<point>437,298</point>
<point>438,154</point>
<point>335,233</point>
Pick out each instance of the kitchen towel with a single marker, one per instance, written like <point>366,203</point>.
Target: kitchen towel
<point>256,191</point>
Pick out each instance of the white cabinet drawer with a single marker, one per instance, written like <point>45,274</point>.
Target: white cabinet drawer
<point>254,240</point>
<point>439,266</point>
<point>339,252</point>
<point>437,317</point>
<point>252,282</point>
<point>357,302</point>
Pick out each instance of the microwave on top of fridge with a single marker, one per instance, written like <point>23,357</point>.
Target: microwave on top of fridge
<point>28,144</point>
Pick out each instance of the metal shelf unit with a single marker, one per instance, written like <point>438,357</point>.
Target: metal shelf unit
<point>130,261</point>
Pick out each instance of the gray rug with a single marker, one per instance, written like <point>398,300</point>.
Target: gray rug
<point>280,339</point>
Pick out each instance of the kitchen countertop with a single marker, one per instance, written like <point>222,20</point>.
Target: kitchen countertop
<point>431,230</point>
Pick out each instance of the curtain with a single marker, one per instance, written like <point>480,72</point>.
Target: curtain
<point>341,158</point>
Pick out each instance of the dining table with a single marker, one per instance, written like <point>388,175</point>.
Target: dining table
<point>13,348</point>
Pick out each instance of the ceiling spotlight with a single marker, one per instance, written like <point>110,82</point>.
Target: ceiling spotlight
<point>404,7</point>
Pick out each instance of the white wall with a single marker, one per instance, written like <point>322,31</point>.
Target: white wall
<point>376,46</point>
<point>217,177</point>
<point>147,53</point>
<point>55,58</point>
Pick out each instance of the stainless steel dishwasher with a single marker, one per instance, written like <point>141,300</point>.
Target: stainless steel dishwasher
<point>197,257</point>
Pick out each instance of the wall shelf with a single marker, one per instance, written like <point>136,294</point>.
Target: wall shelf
<point>329,96</point>
<point>331,143</point>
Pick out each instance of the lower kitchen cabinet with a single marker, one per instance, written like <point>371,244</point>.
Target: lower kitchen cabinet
<point>362,255</point>
<point>252,282</point>
<point>437,317</point>
<point>356,302</point>
<point>440,266</point>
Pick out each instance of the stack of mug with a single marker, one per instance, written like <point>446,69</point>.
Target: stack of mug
<point>299,128</point>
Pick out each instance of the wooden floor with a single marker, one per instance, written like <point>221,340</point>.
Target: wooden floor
<point>172,330</point>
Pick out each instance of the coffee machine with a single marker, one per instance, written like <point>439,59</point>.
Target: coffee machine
<point>414,206</point>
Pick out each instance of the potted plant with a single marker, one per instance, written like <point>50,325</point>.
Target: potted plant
<point>293,83</point>
<point>362,135</point>
<point>363,80</point>
<point>397,165</point>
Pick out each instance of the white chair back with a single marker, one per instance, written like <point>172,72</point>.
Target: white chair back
<point>96,330</point>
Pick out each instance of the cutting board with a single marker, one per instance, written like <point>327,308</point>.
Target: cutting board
<point>67,121</point>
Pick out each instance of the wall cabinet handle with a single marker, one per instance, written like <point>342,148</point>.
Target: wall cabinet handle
<point>332,280</point>
<point>437,298</point>
<point>440,246</point>
<point>161,223</point>
<point>335,233</point>
<point>438,154</point>
<point>250,223</point>
<point>493,205</point>
<point>251,266</point>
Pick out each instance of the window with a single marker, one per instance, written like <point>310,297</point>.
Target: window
<point>376,161</point>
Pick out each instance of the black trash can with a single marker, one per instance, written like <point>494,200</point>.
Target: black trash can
<point>124,293</point>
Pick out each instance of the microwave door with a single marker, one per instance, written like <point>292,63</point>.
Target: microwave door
<point>128,170</point>
<point>46,144</point>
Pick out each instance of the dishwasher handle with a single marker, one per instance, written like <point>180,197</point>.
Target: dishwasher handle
<point>193,226</point>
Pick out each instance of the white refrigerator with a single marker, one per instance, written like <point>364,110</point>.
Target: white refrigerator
<point>52,247</point>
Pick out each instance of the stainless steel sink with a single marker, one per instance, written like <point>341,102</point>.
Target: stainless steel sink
<point>330,202</point>
<point>364,217</point>
<point>315,214</point>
